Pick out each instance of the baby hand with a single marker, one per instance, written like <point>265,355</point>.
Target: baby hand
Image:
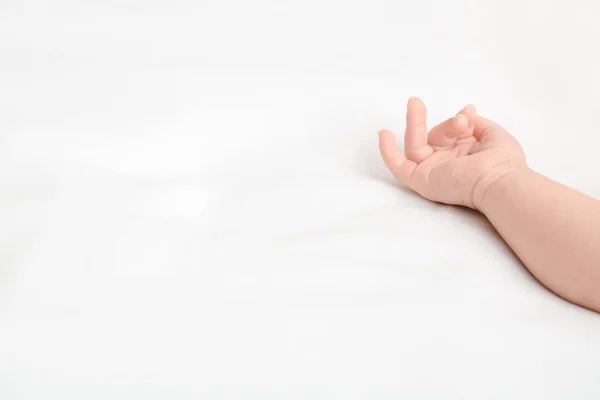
<point>456,161</point>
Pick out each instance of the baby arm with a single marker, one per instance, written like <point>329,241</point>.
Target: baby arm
<point>553,229</point>
<point>471,161</point>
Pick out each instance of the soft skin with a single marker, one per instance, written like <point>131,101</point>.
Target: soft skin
<point>471,161</point>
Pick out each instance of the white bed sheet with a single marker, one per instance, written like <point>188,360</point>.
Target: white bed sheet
<point>192,203</point>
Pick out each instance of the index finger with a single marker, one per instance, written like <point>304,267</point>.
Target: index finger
<point>415,139</point>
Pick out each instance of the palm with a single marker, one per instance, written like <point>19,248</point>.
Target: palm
<point>445,164</point>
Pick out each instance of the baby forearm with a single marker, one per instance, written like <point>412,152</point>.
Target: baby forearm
<point>553,229</point>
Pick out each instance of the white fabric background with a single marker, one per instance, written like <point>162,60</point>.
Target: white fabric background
<point>192,203</point>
